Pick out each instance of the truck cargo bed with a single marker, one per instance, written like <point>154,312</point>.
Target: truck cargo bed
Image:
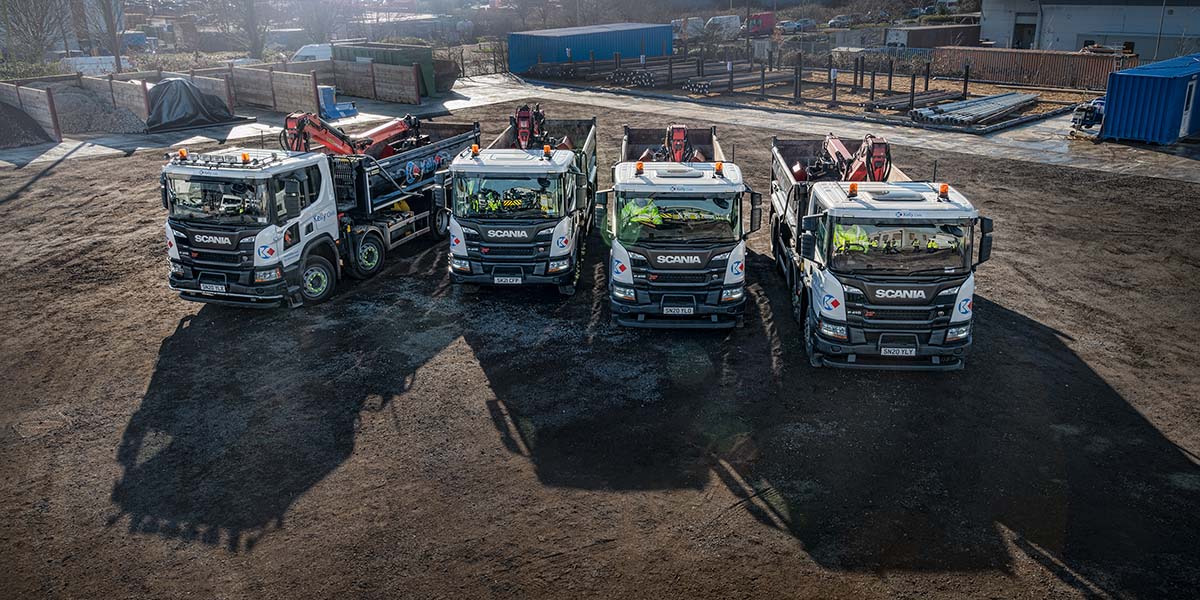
<point>638,140</point>
<point>366,185</point>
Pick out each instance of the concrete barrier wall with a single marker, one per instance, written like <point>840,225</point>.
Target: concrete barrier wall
<point>355,78</point>
<point>398,84</point>
<point>277,90</point>
<point>123,94</point>
<point>38,104</point>
<point>295,92</point>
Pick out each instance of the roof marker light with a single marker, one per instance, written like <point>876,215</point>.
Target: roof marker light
<point>944,191</point>
<point>245,157</point>
<point>719,169</point>
<point>474,149</point>
<point>853,190</point>
<point>639,166</point>
<point>546,150</point>
<point>183,153</point>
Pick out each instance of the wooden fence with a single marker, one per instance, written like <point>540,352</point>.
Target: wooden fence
<point>132,95</point>
<point>1031,67</point>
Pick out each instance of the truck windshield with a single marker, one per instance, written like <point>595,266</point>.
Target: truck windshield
<point>650,218</point>
<point>898,248</point>
<point>507,197</point>
<point>219,201</point>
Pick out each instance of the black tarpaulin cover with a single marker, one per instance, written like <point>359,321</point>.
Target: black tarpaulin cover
<point>176,103</point>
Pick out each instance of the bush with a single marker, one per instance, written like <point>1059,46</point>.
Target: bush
<point>25,70</point>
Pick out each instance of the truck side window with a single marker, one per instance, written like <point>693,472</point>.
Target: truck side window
<point>822,236</point>
<point>314,187</point>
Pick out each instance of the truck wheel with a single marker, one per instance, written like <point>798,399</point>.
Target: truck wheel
<point>798,311</point>
<point>318,280</point>
<point>810,345</point>
<point>441,224</point>
<point>368,261</point>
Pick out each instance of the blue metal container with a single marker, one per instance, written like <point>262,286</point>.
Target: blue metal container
<point>1156,102</point>
<point>551,45</point>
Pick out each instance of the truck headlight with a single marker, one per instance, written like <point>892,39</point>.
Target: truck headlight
<point>176,268</point>
<point>559,265</point>
<point>460,264</point>
<point>621,292</point>
<point>837,332</point>
<point>957,333</point>
<point>721,256</point>
<point>732,294</point>
<point>949,291</point>
<point>269,275</point>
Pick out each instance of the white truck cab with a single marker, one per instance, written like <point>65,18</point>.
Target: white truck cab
<point>888,274</point>
<point>678,249</point>
<point>521,216</point>
<point>241,221</point>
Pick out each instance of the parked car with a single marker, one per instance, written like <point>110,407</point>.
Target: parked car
<point>840,21</point>
<point>797,26</point>
<point>914,13</point>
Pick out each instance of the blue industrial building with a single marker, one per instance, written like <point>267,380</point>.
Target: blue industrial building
<point>552,45</point>
<point>1157,103</point>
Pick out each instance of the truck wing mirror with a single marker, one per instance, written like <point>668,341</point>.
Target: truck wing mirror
<point>810,223</point>
<point>985,225</point>
<point>808,246</point>
<point>985,249</point>
<point>601,216</point>
<point>755,200</point>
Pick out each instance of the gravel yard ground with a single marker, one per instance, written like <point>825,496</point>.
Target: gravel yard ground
<point>406,440</point>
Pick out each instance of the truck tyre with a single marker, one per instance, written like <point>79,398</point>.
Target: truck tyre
<point>439,226</point>
<point>814,358</point>
<point>798,308</point>
<point>318,280</point>
<point>368,259</point>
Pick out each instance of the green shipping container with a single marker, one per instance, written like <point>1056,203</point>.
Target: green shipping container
<point>392,54</point>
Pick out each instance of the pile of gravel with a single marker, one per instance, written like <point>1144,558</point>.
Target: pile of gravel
<point>19,128</point>
<point>83,111</point>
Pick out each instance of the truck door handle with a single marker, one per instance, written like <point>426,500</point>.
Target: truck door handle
<point>308,228</point>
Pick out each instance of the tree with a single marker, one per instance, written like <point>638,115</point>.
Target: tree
<point>244,19</point>
<point>33,27</point>
<point>106,21</point>
<point>320,18</point>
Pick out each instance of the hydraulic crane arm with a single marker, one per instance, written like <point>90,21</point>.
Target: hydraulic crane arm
<point>304,131</point>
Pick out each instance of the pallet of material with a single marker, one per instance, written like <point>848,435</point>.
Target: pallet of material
<point>921,99</point>
<point>721,83</point>
<point>976,111</point>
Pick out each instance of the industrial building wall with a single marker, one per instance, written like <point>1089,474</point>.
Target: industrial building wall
<point>1066,26</point>
<point>999,17</point>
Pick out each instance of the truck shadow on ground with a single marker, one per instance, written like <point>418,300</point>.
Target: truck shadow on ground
<point>1028,451</point>
<point>247,410</point>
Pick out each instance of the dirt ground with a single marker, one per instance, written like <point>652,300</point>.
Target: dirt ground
<point>403,440</point>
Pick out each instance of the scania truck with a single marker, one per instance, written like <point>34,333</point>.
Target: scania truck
<point>675,219</point>
<point>263,228</point>
<point>881,268</point>
<point>521,206</point>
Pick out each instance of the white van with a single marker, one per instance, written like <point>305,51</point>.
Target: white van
<point>726,27</point>
<point>313,52</point>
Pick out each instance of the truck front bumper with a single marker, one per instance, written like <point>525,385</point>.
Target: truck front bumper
<point>659,315</point>
<point>237,292</point>
<point>925,356</point>
<point>512,274</point>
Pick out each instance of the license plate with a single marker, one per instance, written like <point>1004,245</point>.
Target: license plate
<point>678,310</point>
<point>899,351</point>
<point>506,280</point>
<point>212,287</point>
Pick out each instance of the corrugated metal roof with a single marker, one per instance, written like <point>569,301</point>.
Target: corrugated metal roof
<point>590,29</point>
<point>1181,66</point>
